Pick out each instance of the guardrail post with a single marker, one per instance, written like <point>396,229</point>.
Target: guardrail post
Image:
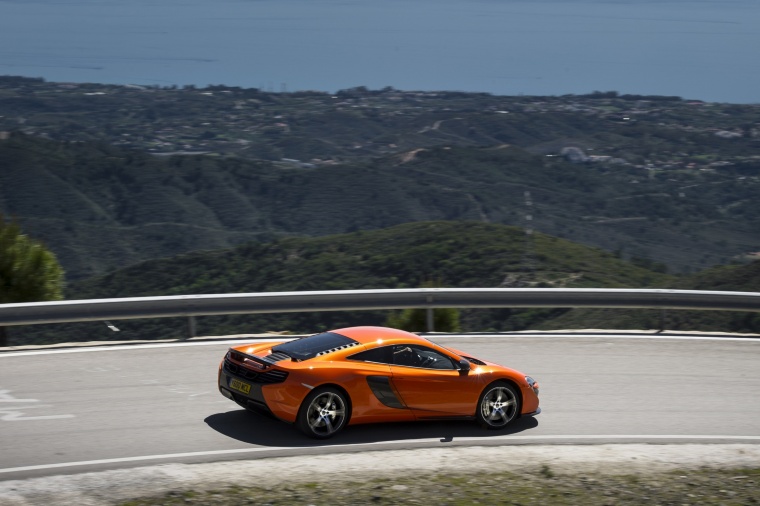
<point>191,327</point>
<point>429,315</point>
<point>663,316</point>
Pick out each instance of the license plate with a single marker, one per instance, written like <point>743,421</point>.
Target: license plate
<point>240,386</point>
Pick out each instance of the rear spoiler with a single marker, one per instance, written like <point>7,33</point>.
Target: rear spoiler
<point>264,361</point>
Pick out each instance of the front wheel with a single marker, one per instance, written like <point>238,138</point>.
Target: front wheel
<point>499,405</point>
<point>323,413</point>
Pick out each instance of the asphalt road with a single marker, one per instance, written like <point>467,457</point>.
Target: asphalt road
<point>85,409</point>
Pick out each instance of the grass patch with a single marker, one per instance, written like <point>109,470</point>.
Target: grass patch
<point>706,487</point>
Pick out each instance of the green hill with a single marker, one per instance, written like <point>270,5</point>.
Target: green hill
<point>736,278</point>
<point>449,254</point>
<point>452,254</point>
<point>462,254</point>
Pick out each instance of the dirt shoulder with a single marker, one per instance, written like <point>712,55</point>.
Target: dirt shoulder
<point>593,474</point>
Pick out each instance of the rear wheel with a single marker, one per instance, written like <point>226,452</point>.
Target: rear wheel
<point>323,413</point>
<point>499,405</point>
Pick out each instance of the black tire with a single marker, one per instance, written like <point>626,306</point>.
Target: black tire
<point>323,413</point>
<point>498,406</point>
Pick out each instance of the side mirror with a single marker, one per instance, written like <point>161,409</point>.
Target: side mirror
<point>464,365</point>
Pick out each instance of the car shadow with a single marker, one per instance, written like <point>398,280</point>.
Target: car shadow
<point>262,430</point>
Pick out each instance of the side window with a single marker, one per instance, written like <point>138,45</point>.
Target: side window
<point>377,355</point>
<point>420,356</point>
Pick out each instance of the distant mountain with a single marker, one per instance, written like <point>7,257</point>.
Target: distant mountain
<point>101,207</point>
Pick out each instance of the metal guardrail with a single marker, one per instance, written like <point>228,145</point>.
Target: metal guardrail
<point>350,300</point>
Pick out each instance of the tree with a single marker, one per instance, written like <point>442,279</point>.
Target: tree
<point>415,320</point>
<point>29,272</point>
<point>445,319</point>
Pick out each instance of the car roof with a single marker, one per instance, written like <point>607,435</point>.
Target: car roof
<point>376,335</point>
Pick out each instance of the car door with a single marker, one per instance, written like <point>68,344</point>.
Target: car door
<point>373,395</point>
<point>430,383</point>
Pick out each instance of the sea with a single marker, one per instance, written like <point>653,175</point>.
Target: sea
<point>696,49</point>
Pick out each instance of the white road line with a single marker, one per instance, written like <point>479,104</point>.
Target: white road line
<point>535,439</point>
<point>87,349</point>
<point>618,336</point>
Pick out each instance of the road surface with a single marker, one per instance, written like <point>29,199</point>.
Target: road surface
<point>109,407</point>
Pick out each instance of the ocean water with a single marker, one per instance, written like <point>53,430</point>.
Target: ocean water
<point>704,49</point>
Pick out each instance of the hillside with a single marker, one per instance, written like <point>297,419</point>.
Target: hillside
<point>101,207</point>
<point>112,175</point>
<point>322,128</point>
<point>452,254</point>
<point>741,278</point>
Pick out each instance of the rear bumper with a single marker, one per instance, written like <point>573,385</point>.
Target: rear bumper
<point>253,400</point>
<point>269,391</point>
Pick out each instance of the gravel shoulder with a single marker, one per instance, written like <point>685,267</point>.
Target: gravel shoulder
<point>526,474</point>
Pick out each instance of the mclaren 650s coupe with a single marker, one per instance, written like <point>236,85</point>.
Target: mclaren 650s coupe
<point>324,382</point>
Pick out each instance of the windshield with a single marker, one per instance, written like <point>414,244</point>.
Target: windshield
<point>310,347</point>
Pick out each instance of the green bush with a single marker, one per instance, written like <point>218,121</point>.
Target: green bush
<point>415,320</point>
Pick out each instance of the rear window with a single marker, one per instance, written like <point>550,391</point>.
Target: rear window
<point>309,347</point>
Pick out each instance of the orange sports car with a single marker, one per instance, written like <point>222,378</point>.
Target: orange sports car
<point>372,374</point>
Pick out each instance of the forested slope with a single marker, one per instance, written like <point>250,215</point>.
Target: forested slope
<point>449,254</point>
<point>100,207</point>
